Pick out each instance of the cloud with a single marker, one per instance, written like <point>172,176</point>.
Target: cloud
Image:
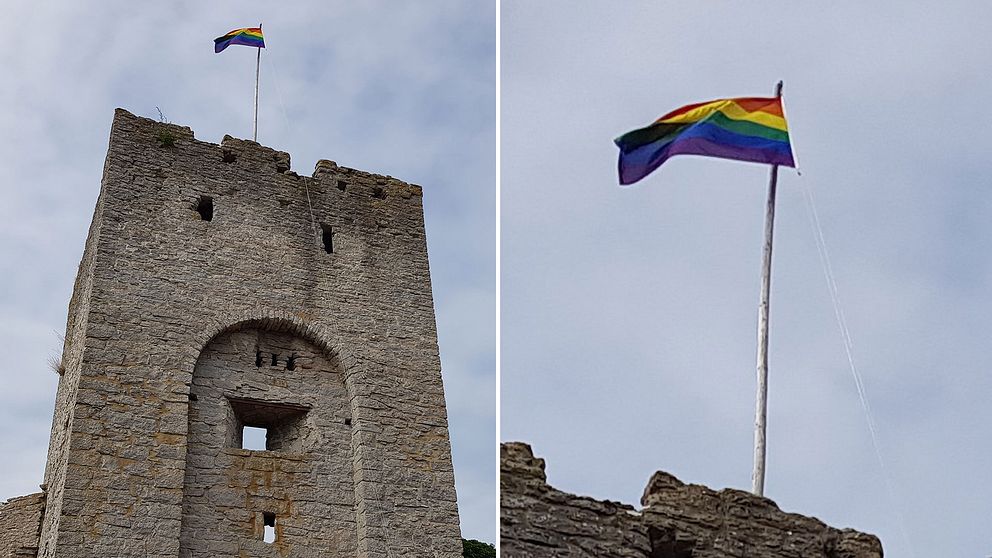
<point>401,90</point>
<point>628,319</point>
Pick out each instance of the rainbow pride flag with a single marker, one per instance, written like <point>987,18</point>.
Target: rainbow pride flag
<point>248,36</point>
<point>745,129</point>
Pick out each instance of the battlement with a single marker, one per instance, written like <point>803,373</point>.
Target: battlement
<point>253,154</point>
<point>677,520</point>
<point>188,169</point>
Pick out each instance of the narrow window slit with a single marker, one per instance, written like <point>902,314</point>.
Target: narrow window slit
<point>205,207</point>
<point>291,362</point>
<point>268,527</point>
<point>327,237</point>
<point>258,358</point>
<point>275,359</point>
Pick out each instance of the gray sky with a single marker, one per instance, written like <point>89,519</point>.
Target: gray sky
<point>629,315</point>
<point>406,89</point>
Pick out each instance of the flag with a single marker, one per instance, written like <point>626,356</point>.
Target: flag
<point>248,36</point>
<point>745,129</point>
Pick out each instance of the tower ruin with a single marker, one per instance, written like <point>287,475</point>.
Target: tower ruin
<point>676,520</point>
<point>219,290</point>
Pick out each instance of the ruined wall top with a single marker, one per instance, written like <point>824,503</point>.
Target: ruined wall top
<point>677,520</point>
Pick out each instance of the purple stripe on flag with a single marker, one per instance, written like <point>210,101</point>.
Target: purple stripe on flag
<point>245,40</point>
<point>638,163</point>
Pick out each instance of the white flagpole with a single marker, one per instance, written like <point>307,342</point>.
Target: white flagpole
<point>258,63</point>
<point>761,406</point>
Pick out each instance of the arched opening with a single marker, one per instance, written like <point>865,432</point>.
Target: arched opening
<point>299,483</point>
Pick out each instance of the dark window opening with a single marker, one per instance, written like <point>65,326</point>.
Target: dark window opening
<point>193,397</point>
<point>291,362</point>
<point>342,185</point>
<point>268,527</point>
<point>229,156</point>
<point>327,237</point>
<point>347,422</point>
<point>379,193</point>
<point>205,207</point>
<point>275,359</point>
<point>258,358</point>
<point>668,543</point>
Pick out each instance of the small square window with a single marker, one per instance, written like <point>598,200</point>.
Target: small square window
<point>266,426</point>
<point>254,438</point>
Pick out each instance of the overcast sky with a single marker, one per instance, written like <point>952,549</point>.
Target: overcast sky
<point>629,315</point>
<point>405,89</point>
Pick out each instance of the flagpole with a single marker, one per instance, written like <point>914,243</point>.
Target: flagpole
<point>761,407</point>
<point>258,63</point>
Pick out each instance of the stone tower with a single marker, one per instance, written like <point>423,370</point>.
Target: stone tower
<point>219,290</point>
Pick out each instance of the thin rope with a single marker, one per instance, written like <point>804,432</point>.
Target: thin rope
<point>792,137</point>
<point>821,247</point>
<point>285,117</point>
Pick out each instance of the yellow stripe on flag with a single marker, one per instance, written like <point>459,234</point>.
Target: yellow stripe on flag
<point>731,110</point>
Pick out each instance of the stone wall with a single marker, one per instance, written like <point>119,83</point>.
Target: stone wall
<point>70,368</point>
<point>676,521</point>
<point>287,385</point>
<point>20,524</point>
<point>336,262</point>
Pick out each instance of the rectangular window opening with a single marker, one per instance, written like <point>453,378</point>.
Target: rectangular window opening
<point>254,438</point>
<point>327,236</point>
<point>266,425</point>
<point>269,527</point>
<point>205,207</point>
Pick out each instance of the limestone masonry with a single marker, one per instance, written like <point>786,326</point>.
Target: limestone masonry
<point>208,301</point>
<point>677,521</point>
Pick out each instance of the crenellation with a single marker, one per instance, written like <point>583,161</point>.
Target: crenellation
<point>677,520</point>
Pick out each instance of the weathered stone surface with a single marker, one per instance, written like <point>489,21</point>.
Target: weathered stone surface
<point>305,481</point>
<point>677,521</point>
<point>20,525</point>
<point>207,300</point>
<point>537,520</point>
